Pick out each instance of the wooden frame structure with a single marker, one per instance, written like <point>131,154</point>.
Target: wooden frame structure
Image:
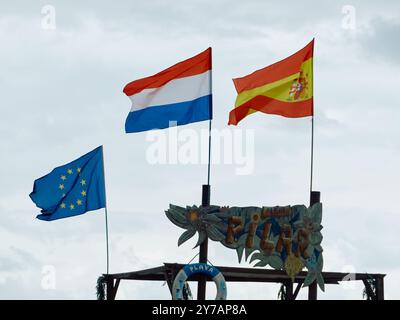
<point>168,271</point>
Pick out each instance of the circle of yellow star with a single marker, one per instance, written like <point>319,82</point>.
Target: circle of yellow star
<point>83,182</point>
<point>78,170</point>
<point>71,206</point>
<point>83,193</point>
<point>70,171</point>
<point>63,177</point>
<point>79,202</point>
<point>62,205</point>
<point>61,186</point>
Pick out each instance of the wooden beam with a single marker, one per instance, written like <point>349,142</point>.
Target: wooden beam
<point>157,272</point>
<point>238,274</point>
<point>246,274</point>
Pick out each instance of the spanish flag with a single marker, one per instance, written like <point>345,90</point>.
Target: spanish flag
<point>284,88</point>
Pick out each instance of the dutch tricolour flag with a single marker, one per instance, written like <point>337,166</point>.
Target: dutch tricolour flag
<point>179,95</point>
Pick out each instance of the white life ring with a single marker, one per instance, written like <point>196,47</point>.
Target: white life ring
<point>190,269</point>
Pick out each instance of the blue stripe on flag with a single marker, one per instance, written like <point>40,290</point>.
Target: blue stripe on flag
<point>159,117</point>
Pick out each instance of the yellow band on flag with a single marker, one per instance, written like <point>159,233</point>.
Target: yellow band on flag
<point>284,88</point>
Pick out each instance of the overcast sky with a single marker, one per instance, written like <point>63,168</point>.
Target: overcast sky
<point>61,96</point>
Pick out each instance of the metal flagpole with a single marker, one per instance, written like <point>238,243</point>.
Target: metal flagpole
<point>209,126</point>
<point>315,196</point>
<point>106,217</point>
<point>205,202</point>
<point>312,152</point>
<point>209,148</point>
<point>108,255</point>
<point>312,130</point>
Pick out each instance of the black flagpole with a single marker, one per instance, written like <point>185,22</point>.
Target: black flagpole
<point>205,202</point>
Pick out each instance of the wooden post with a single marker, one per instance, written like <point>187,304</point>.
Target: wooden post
<point>380,295</point>
<point>312,291</point>
<point>109,288</point>
<point>315,197</point>
<point>289,290</point>
<point>203,256</point>
<point>112,288</point>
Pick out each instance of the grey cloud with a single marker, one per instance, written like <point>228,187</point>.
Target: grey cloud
<point>62,96</point>
<point>381,40</point>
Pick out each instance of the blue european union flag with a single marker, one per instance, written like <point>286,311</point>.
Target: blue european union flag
<point>71,189</point>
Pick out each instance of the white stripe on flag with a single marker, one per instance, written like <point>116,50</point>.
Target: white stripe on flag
<point>179,90</point>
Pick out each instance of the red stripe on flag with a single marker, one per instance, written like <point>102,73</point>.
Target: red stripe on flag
<point>276,71</point>
<point>190,67</point>
<point>297,109</point>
